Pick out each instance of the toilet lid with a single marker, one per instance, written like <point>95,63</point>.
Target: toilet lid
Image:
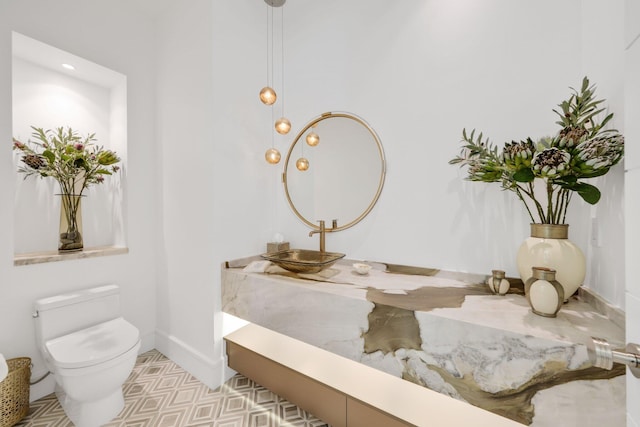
<point>93,345</point>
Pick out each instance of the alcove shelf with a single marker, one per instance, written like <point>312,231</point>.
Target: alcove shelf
<point>92,99</point>
<point>55,256</point>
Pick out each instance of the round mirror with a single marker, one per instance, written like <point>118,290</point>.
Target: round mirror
<point>334,170</point>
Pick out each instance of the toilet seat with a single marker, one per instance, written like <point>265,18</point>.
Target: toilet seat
<point>94,345</point>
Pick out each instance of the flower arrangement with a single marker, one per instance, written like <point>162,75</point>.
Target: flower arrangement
<point>75,162</point>
<point>582,149</point>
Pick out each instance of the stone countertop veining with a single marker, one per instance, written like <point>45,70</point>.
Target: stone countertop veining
<point>443,330</point>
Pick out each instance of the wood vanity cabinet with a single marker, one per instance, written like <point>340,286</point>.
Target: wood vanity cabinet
<point>310,395</point>
<point>325,402</point>
<point>362,415</point>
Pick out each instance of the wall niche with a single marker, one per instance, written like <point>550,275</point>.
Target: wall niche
<point>89,98</point>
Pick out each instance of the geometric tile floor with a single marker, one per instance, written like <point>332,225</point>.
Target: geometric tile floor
<point>158,393</point>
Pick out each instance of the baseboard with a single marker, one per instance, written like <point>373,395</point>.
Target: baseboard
<point>147,342</point>
<point>207,370</point>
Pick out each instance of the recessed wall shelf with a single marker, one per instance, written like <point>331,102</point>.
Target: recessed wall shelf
<point>92,99</point>
<point>55,256</point>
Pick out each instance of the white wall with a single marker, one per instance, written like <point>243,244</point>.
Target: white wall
<point>603,61</point>
<point>632,189</point>
<point>215,183</point>
<point>421,71</point>
<point>117,36</point>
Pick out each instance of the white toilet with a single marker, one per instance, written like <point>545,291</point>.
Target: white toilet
<point>90,349</point>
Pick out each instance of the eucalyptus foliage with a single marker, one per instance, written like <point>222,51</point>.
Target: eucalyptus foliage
<point>582,149</point>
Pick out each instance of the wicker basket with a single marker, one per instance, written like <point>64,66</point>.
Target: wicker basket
<point>14,392</point>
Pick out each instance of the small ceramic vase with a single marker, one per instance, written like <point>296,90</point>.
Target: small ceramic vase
<point>497,282</point>
<point>544,293</point>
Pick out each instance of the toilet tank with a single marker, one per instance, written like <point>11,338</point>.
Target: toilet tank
<point>62,314</point>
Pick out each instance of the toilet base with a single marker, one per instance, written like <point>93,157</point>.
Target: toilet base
<point>91,414</point>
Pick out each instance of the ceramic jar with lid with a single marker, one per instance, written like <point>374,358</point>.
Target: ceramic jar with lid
<point>544,293</point>
<point>498,284</point>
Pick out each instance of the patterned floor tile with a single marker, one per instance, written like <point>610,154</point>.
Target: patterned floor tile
<point>158,393</point>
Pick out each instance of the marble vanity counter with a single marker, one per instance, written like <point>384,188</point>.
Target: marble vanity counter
<point>444,331</point>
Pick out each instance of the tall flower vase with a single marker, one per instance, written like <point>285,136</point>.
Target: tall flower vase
<point>70,223</point>
<point>549,246</point>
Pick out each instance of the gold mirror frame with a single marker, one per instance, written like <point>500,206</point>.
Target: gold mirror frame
<point>376,139</point>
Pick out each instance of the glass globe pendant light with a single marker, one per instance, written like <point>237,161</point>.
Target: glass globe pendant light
<point>313,139</point>
<point>302,164</point>
<point>272,155</point>
<point>268,95</point>
<point>283,126</point>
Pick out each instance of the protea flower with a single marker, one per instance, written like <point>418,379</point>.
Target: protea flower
<point>551,163</point>
<point>571,136</point>
<point>107,157</point>
<point>33,161</point>
<point>518,155</point>
<point>597,155</point>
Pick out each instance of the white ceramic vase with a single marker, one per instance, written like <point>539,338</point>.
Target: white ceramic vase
<point>550,247</point>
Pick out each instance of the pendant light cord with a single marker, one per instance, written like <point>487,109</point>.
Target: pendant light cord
<point>270,77</point>
<point>272,43</point>
<point>282,53</point>
<point>267,52</point>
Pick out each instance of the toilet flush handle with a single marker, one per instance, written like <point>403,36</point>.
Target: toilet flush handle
<point>603,356</point>
<point>35,314</point>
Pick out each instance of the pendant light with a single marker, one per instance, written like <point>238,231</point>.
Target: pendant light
<point>312,139</point>
<point>272,156</point>
<point>302,164</point>
<point>267,94</point>
<point>282,125</point>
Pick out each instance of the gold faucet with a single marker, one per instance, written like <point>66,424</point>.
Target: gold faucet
<point>322,231</point>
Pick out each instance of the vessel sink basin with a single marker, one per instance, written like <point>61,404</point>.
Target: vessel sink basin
<point>303,260</point>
